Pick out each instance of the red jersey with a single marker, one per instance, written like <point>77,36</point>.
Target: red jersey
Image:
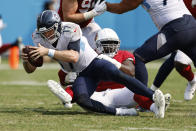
<point>83,6</point>
<point>189,6</point>
<point>120,57</point>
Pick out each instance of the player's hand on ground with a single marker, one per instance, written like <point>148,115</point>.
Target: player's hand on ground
<point>193,3</point>
<point>100,7</point>
<point>38,51</point>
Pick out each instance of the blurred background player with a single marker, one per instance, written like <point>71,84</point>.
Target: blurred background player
<point>2,25</point>
<point>110,94</point>
<point>63,42</point>
<point>4,47</point>
<point>182,63</point>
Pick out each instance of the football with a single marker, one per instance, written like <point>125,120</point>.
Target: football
<point>36,63</point>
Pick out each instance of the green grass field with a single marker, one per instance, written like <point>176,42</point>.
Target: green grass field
<point>27,104</point>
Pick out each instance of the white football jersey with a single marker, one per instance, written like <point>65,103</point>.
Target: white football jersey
<point>70,32</point>
<point>164,11</point>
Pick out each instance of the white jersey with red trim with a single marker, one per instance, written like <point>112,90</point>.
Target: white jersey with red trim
<point>164,11</point>
<point>70,33</point>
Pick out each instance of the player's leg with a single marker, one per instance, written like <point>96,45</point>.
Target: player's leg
<point>166,41</point>
<point>121,97</point>
<point>62,75</point>
<point>183,66</point>
<point>163,72</point>
<point>84,87</point>
<point>109,72</point>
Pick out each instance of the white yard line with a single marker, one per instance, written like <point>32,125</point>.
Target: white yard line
<point>146,128</point>
<point>150,65</point>
<point>28,83</point>
<point>45,66</point>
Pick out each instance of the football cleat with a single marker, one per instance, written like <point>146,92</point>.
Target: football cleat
<point>126,112</point>
<point>190,91</point>
<point>58,91</point>
<point>67,105</point>
<point>159,100</point>
<point>167,100</point>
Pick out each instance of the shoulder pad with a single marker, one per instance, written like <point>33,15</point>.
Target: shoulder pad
<point>73,30</point>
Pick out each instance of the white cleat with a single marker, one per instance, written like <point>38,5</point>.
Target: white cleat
<point>190,91</point>
<point>167,100</point>
<point>159,100</point>
<point>126,112</point>
<point>58,91</point>
<point>68,105</point>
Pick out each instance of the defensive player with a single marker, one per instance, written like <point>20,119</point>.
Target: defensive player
<point>110,93</point>
<point>83,12</point>
<point>173,20</point>
<point>63,42</point>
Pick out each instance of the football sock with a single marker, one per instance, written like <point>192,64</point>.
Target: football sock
<point>69,91</point>
<point>187,73</point>
<point>143,101</point>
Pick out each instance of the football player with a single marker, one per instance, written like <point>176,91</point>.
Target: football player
<point>110,93</point>
<point>63,42</point>
<point>170,18</point>
<point>83,12</point>
<point>182,63</point>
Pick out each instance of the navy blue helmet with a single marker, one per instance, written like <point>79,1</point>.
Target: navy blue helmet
<point>49,25</point>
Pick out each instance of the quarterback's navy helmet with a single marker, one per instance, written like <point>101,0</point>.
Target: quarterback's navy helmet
<point>49,25</point>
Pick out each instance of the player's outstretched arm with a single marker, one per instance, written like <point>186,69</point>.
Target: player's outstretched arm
<point>69,9</point>
<point>123,6</point>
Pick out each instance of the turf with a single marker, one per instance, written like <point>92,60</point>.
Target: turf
<point>27,104</point>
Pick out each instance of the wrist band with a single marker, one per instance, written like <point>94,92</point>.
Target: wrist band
<point>51,53</point>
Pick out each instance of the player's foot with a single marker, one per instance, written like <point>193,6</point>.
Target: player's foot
<point>159,100</point>
<point>126,112</point>
<point>190,91</point>
<point>140,109</point>
<point>167,100</point>
<point>58,91</point>
<point>67,105</point>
